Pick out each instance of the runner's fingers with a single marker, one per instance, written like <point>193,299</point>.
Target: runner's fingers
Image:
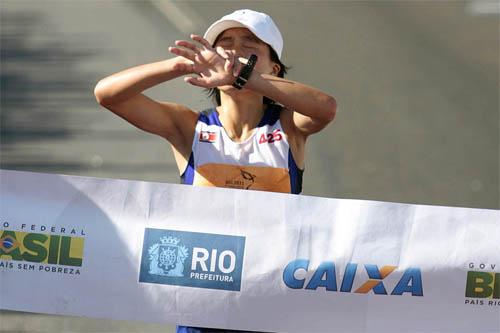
<point>226,55</point>
<point>229,66</point>
<point>220,50</point>
<point>188,54</point>
<point>195,81</point>
<point>237,66</point>
<point>202,41</point>
<point>187,45</point>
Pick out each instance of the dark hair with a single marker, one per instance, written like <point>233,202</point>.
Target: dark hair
<point>214,93</point>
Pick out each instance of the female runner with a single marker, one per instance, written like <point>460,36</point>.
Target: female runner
<point>255,137</point>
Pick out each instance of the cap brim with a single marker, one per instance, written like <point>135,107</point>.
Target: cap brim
<point>220,26</point>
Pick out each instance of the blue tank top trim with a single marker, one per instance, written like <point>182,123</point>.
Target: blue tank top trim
<point>210,117</point>
<point>295,173</point>
<point>187,176</point>
<point>271,115</point>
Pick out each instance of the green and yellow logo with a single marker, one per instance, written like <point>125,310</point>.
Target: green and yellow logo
<point>482,285</point>
<point>41,248</point>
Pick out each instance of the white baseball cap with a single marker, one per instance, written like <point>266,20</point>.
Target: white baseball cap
<point>261,24</point>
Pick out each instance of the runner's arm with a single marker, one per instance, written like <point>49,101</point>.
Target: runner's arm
<point>312,108</point>
<point>121,93</point>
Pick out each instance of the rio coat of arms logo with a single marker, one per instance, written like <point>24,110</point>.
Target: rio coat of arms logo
<point>167,257</point>
<point>192,259</point>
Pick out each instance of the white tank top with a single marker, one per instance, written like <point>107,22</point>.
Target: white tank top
<point>262,162</point>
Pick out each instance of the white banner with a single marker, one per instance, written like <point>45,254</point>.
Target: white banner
<point>244,260</point>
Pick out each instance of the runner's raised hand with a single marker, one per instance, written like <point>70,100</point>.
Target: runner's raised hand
<point>214,67</point>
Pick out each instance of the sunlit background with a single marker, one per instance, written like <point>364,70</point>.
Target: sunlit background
<point>417,84</point>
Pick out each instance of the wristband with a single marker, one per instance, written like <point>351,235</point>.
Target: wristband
<point>245,72</point>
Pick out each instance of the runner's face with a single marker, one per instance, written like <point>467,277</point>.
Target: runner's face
<point>243,43</point>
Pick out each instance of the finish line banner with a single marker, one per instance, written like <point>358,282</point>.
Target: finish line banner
<point>247,260</point>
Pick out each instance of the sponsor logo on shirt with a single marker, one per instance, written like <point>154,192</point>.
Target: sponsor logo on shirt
<point>245,180</point>
<point>206,136</point>
<point>192,259</point>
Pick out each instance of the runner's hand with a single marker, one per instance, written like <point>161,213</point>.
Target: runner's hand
<point>214,67</point>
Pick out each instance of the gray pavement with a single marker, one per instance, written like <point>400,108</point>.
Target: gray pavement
<point>417,84</point>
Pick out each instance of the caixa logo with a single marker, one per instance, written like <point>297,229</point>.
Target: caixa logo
<point>192,259</point>
<point>324,276</point>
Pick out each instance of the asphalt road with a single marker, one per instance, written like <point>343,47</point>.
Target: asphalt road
<point>417,84</point>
